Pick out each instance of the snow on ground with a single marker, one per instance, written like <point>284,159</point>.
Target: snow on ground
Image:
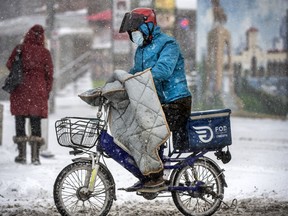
<point>258,169</point>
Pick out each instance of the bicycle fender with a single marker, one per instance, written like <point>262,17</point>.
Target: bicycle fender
<point>81,159</point>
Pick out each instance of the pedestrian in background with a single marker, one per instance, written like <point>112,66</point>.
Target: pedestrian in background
<point>30,99</point>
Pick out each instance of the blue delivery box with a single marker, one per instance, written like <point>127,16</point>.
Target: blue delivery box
<point>209,130</point>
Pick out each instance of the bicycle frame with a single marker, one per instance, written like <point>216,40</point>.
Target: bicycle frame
<point>107,145</point>
<point>195,181</point>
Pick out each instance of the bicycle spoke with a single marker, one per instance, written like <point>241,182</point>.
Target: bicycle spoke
<point>201,200</point>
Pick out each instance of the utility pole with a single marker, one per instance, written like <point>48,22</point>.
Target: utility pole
<point>45,122</point>
<point>49,30</point>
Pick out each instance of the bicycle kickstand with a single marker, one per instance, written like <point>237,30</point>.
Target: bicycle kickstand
<point>232,206</point>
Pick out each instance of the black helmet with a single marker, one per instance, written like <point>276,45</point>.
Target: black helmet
<point>132,20</point>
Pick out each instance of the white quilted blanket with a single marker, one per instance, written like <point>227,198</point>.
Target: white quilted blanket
<point>136,118</point>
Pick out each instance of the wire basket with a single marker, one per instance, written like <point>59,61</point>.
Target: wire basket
<point>78,132</point>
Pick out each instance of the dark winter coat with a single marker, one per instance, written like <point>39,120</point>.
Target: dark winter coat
<point>30,98</point>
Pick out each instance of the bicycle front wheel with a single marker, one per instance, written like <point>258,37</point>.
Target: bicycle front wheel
<point>207,198</point>
<point>71,194</point>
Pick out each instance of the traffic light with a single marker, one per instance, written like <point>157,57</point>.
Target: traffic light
<point>184,23</point>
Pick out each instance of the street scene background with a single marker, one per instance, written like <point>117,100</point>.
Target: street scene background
<point>245,69</point>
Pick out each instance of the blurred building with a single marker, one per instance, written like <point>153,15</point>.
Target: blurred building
<point>255,62</point>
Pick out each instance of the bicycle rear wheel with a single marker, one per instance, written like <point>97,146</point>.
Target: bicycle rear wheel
<point>207,199</point>
<point>70,192</point>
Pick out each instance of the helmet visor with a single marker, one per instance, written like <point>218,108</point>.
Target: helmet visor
<point>131,22</point>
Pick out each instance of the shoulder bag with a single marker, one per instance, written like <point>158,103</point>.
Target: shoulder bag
<point>15,76</point>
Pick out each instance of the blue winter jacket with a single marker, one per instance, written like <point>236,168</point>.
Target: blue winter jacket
<point>163,55</point>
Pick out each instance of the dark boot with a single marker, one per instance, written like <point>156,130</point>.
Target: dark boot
<point>21,142</point>
<point>156,180</point>
<point>36,143</point>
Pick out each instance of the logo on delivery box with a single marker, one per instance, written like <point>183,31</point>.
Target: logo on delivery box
<point>205,133</point>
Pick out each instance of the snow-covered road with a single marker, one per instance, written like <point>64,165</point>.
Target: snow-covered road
<point>258,169</point>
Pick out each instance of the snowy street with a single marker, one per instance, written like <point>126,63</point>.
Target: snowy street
<point>256,176</point>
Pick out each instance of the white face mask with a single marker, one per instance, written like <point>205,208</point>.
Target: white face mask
<point>137,38</point>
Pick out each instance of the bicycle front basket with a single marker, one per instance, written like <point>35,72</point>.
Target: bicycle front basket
<point>78,132</point>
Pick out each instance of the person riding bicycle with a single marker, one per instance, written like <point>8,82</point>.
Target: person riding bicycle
<point>161,53</point>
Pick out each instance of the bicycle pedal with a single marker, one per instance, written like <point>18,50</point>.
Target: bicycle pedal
<point>152,189</point>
